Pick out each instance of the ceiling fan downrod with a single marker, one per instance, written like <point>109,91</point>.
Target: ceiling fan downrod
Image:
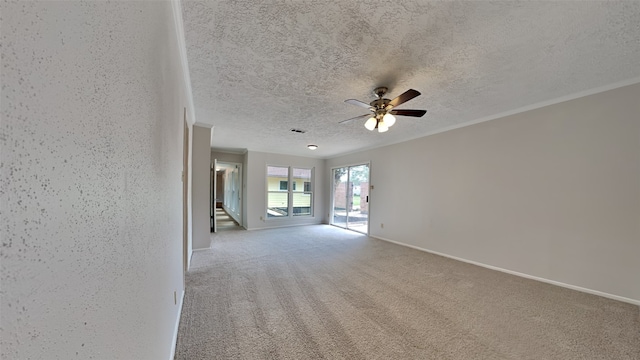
<point>380,91</point>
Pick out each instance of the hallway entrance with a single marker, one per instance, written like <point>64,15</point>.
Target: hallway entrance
<point>226,193</point>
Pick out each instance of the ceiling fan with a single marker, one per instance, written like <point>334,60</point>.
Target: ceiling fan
<point>382,110</point>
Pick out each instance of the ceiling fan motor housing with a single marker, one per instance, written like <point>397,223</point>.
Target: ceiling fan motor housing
<point>379,107</point>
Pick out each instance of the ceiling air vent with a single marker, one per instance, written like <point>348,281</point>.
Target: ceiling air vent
<point>298,131</point>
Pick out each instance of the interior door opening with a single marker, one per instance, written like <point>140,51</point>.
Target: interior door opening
<point>350,200</point>
<point>226,186</point>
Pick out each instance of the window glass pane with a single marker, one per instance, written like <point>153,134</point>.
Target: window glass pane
<point>301,203</point>
<point>302,195</point>
<point>277,204</point>
<point>300,177</point>
<point>276,176</point>
<point>277,191</point>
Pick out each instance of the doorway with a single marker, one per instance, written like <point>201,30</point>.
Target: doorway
<point>226,179</point>
<point>350,197</point>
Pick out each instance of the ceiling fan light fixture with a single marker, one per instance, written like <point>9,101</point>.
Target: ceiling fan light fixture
<point>384,110</point>
<point>389,119</point>
<point>382,127</point>
<point>312,146</point>
<point>371,123</point>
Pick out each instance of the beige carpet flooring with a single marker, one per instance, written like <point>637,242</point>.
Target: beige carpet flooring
<point>319,292</point>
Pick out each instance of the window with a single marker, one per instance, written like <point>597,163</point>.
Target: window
<point>302,198</point>
<point>282,201</point>
<point>277,191</point>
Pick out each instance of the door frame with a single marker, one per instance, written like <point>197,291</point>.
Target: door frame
<point>214,194</point>
<point>332,202</point>
<point>185,196</point>
<point>240,194</point>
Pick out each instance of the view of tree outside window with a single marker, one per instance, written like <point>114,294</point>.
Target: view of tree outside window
<point>351,197</point>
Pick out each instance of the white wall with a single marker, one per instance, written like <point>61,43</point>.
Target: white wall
<point>200,181</point>
<point>552,193</point>
<point>256,181</point>
<point>227,157</point>
<point>91,157</point>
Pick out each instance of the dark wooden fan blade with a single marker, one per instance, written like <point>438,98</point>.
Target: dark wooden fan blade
<point>355,118</point>
<point>415,113</point>
<point>358,103</point>
<point>404,97</point>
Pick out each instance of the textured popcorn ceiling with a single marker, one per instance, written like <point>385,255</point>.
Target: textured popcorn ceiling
<point>259,69</point>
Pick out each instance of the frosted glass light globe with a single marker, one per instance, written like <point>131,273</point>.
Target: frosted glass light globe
<point>382,126</point>
<point>371,124</point>
<point>389,119</point>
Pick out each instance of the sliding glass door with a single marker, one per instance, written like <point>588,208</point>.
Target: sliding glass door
<point>350,191</point>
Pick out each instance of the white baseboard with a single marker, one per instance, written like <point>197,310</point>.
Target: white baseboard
<point>175,330</point>
<point>527,276</point>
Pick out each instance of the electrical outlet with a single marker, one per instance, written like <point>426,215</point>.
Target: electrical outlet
<point>381,225</point>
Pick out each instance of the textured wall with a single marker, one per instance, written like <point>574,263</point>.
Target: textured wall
<point>553,192</point>
<point>227,157</point>
<point>91,136</point>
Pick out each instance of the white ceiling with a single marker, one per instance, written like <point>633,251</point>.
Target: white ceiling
<point>260,68</point>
